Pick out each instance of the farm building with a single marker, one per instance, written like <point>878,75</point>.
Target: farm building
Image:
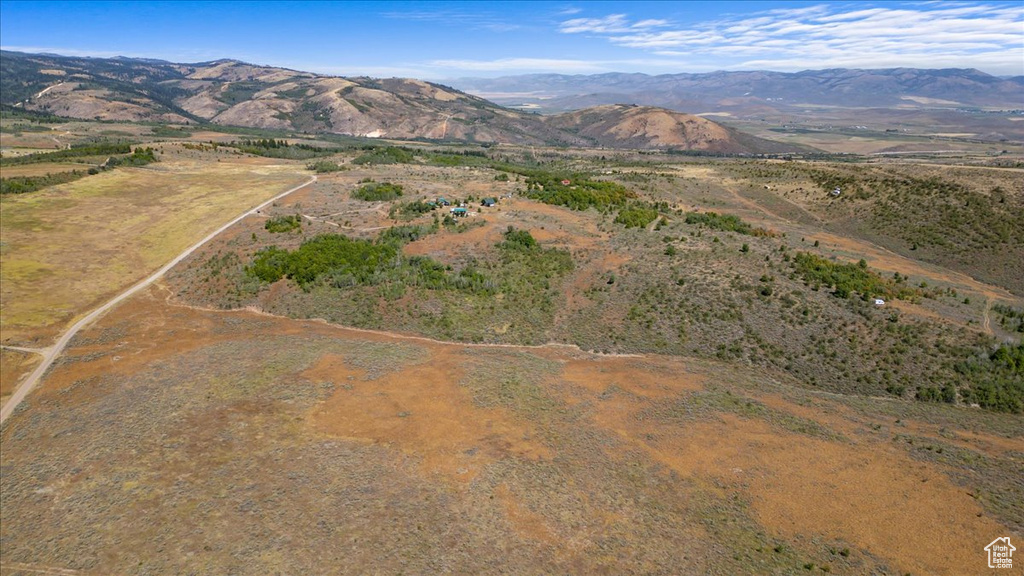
<point>457,212</point>
<point>488,202</point>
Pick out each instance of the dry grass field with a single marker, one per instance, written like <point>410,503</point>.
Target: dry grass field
<point>252,444</point>
<point>16,365</point>
<point>106,231</point>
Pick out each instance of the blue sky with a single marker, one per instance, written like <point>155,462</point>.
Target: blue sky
<point>439,40</point>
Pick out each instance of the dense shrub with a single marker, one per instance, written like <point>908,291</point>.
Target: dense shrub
<point>410,210</point>
<point>997,381</point>
<point>101,149</point>
<point>518,240</point>
<point>328,253</point>
<point>405,234</point>
<point>849,278</point>
<point>342,262</point>
<point>378,192</point>
<point>26,184</point>
<point>325,166</point>
<point>636,216</point>
<point>283,223</point>
<point>272,148</point>
<point>385,155</point>
<point>724,222</point>
<point>139,157</point>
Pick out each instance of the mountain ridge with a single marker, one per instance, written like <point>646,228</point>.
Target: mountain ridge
<point>848,87</point>
<point>232,92</point>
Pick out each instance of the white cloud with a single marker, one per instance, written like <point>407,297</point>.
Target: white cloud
<point>458,18</point>
<point>985,36</point>
<point>613,23</point>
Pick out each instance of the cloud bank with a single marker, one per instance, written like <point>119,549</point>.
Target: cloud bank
<point>919,35</point>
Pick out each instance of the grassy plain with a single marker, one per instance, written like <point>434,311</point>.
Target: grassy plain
<point>106,231</point>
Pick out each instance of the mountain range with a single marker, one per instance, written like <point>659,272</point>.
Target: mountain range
<point>897,88</point>
<point>606,110</point>
<point>229,92</point>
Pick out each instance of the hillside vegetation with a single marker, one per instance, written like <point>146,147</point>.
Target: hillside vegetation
<point>665,279</point>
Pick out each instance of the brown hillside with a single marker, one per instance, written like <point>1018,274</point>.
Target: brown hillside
<point>234,93</point>
<point>649,127</point>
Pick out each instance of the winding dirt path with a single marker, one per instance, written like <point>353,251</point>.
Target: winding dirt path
<point>986,321</point>
<point>54,351</point>
<point>402,335</point>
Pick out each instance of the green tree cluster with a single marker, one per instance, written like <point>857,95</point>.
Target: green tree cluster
<point>636,216</point>
<point>100,149</point>
<point>325,167</point>
<point>26,184</point>
<point>378,192</point>
<point>724,222</point>
<point>329,253</point>
<point>996,381</point>
<point>385,155</point>
<point>846,279</point>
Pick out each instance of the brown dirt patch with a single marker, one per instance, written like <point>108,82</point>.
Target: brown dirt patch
<point>527,523</point>
<point>448,244</point>
<point>422,411</point>
<point>866,493</point>
<point>634,376</point>
<point>871,496</point>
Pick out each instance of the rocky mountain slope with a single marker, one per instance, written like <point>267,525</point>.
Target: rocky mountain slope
<point>229,92</point>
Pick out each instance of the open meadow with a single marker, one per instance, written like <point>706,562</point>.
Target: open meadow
<point>109,230</point>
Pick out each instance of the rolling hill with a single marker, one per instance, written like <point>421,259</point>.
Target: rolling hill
<point>229,92</point>
<point>648,127</point>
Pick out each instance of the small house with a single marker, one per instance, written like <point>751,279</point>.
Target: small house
<point>442,201</point>
<point>879,302</point>
<point>459,211</point>
<point>566,182</point>
<point>836,191</point>
<point>488,202</point>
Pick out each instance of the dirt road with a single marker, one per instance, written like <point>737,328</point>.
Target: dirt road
<point>51,353</point>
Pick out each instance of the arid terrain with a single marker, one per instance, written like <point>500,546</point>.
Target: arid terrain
<point>323,449</point>
<point>634,361</point>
